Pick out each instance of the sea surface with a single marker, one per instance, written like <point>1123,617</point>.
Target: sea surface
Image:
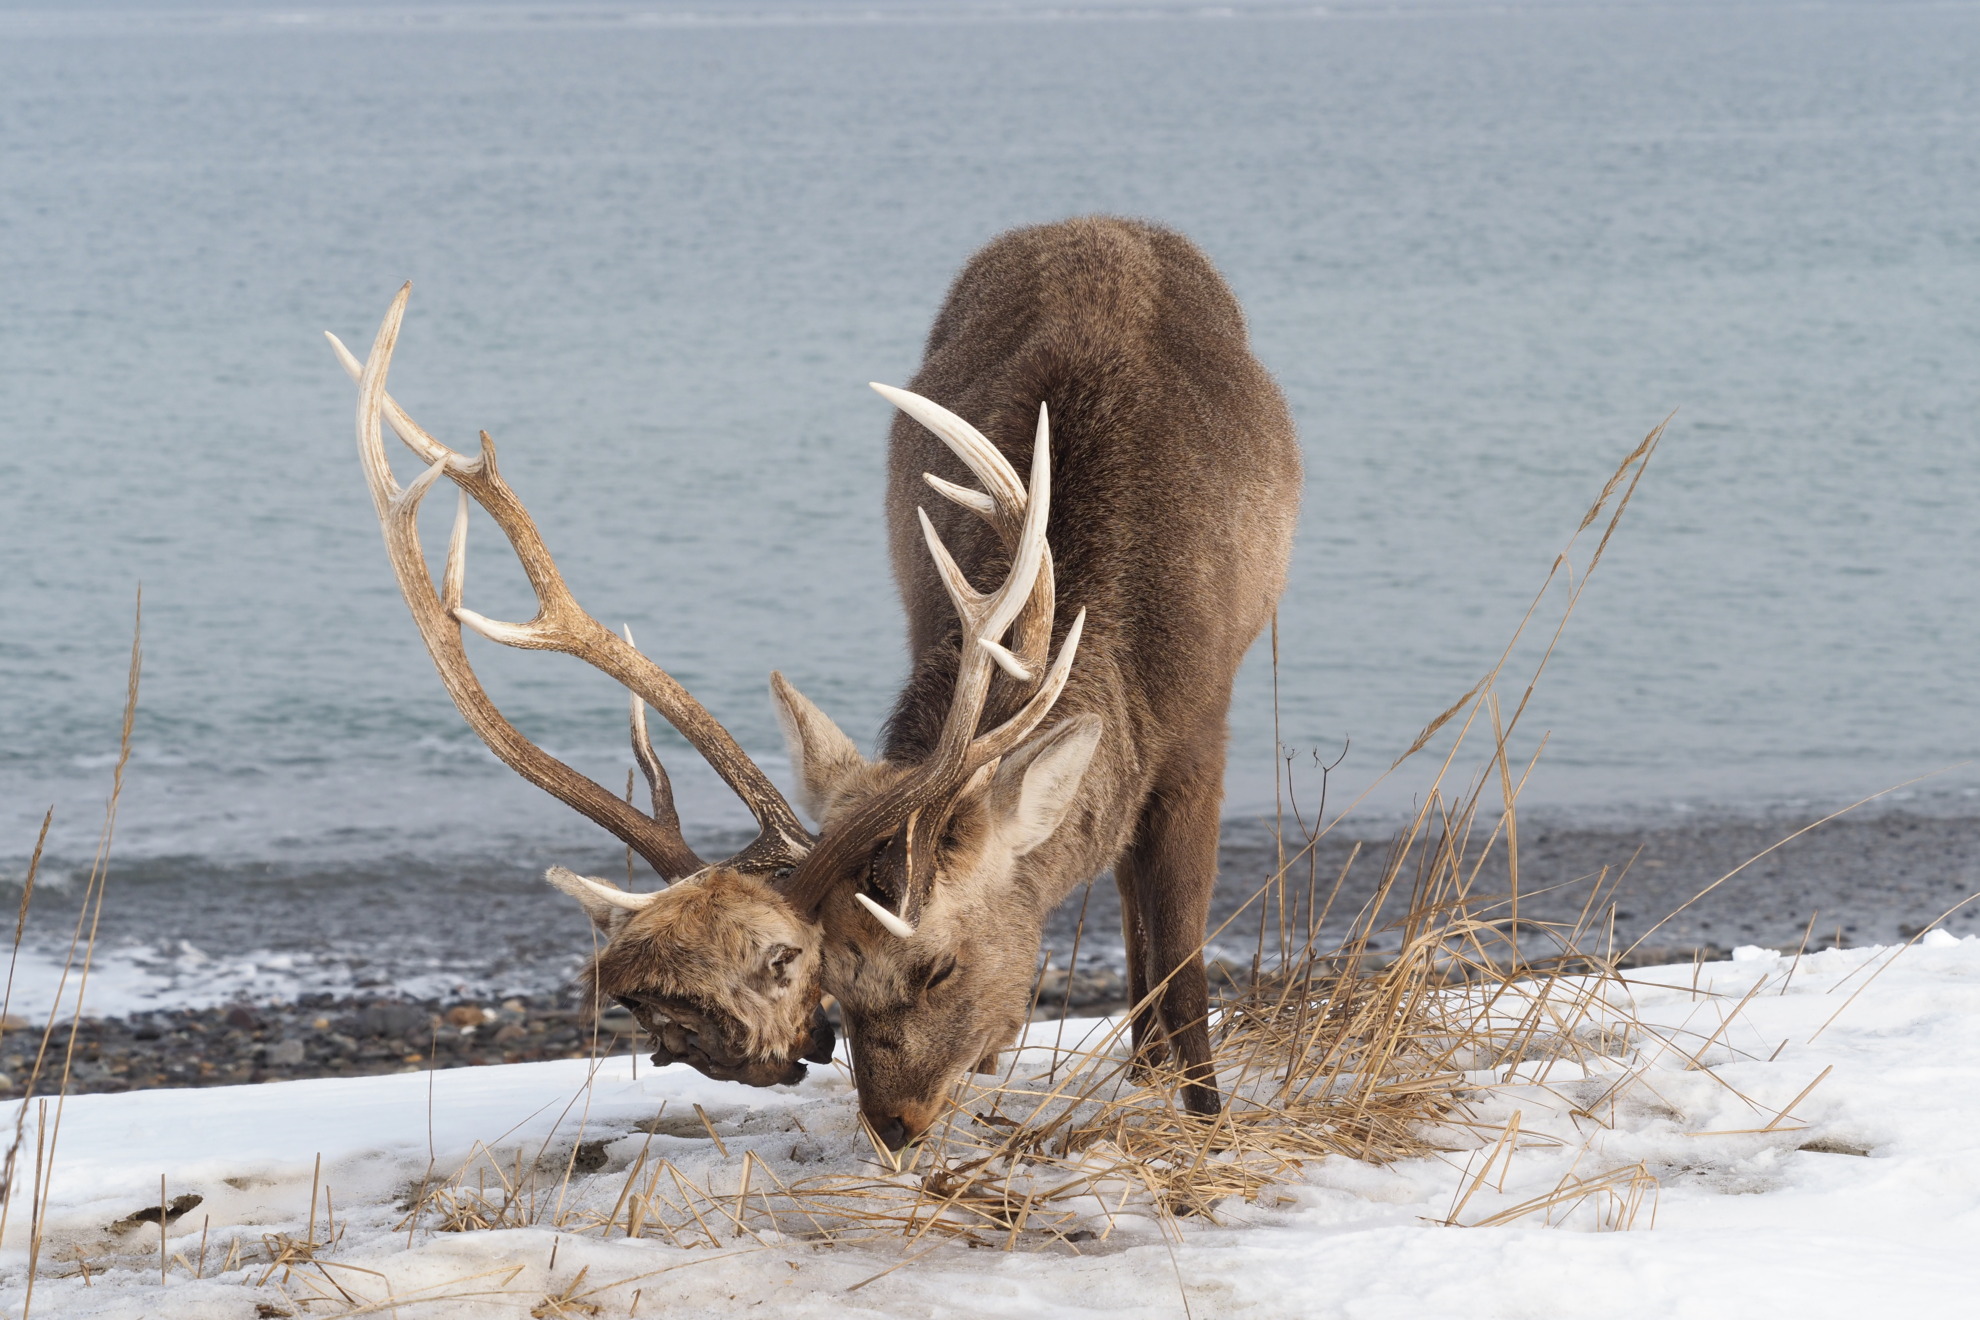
<point>658,249</point>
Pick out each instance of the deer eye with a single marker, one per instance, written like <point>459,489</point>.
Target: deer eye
<point>942,974</point>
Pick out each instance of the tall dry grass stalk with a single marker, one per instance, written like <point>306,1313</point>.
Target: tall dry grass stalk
<point>77,961</point>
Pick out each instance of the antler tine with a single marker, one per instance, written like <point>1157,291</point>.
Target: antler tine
<point>454,581</point>
<point>1001,504</point>
<point>974,500</point>
<point>560,624</point>
<point>658,786</point>
<point>410,432</point>
<point>984,459</point>
<point>1006,736</point>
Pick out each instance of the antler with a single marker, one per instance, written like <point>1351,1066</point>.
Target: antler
<point>1023,603</point>
<point>560,625</point>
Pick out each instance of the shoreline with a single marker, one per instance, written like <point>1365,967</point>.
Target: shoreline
<point>321,1035</point>
<point>180,935</point>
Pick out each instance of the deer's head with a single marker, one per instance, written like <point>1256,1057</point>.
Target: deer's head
<point>717,968</point>
<point>930,932</point>
<point>931,957</point>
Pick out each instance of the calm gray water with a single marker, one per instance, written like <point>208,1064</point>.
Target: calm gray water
<point>659,250</point>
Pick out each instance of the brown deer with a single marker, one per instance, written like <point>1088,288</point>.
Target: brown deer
<point>1175,482</point>
<point>1108,358</point>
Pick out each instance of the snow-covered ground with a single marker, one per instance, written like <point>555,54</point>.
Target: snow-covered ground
<point>1747,1193</point>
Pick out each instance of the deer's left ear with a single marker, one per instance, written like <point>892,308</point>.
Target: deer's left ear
<point>1035,786</point>
<point>821,753</point>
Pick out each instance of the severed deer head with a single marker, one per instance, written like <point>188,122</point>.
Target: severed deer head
<point>719,968</point>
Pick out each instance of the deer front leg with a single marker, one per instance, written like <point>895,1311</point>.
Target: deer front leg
<point>1174,864</point>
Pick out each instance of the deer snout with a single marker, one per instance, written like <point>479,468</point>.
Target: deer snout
<point>897,1131</point>
<point>819,1040</point>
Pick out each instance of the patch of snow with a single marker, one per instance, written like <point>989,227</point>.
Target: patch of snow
<point>1807,1133</point>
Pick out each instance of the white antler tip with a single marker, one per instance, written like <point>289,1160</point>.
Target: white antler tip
<point>974,500</point>
<point>508,634</point>
<point>577,886</point>
<point>1006,661</point>
<point>894,924</point>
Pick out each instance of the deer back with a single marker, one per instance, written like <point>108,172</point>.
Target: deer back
<point>1176,478</point>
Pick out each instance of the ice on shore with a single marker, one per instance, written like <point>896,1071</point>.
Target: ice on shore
<point>1756,1195</point>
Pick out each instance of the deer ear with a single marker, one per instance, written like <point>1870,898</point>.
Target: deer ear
<point>821,753</point>
<point>778,960</point>
<point>1035,785</point>
<point>608,906</point>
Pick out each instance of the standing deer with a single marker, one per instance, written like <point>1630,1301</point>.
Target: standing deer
<point>1108,359</point>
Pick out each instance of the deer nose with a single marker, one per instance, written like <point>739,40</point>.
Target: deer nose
<point>891,1131</point>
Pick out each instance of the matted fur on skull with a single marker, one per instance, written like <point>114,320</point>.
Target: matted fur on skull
<point>717,969</point>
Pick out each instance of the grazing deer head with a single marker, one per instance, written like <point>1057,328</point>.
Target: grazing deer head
<point>914,876</point>
<point>720,968</point>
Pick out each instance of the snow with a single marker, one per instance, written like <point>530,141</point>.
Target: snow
<point>1751,1193</point>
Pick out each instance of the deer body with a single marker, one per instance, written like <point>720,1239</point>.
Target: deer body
<point>1032,747</point>
<point>1175,486</point>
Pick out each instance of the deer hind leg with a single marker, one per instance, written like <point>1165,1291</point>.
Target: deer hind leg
<point>1173,862</point>
<point>1151,1043</point>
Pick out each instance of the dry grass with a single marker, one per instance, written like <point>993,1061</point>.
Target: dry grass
<point>76,967</point>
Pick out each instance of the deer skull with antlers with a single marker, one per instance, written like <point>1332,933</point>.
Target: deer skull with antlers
<point>718,967</point>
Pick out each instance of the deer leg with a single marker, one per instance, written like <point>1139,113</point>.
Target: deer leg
<point>1175,869</point>
<point>1151,1044</point>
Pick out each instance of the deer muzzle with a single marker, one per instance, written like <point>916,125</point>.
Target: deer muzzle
<point>682,1031</point>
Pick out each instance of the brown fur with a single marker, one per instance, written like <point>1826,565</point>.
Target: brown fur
<point>1176,480</point>
<point>718,969</point>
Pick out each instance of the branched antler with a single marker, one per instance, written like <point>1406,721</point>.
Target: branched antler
<point>1022,606</point>
<point>559,625</point>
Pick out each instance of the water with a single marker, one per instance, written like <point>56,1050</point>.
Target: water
<point>659,250</point>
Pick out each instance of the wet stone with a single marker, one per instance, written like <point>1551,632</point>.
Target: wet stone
<point>285,1054</point>
<point>391,1019</point>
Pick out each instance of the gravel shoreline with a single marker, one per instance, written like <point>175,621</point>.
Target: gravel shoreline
<point>326,1036</point>
<point>1875,877</point>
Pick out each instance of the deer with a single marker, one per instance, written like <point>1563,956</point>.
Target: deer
<point>1031,748</point>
